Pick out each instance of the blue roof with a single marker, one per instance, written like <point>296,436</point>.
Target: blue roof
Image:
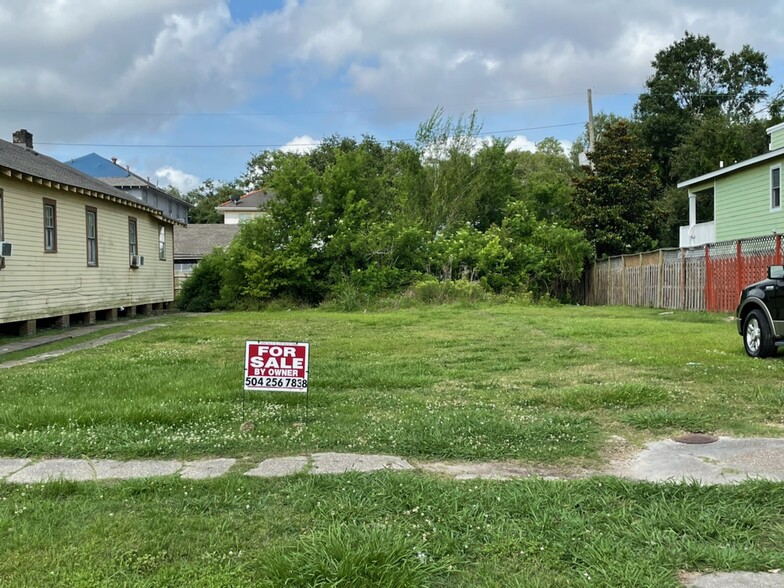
<point>98,167</point>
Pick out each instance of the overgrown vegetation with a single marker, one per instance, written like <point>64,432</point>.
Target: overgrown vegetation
<point>358,220</point>
<point>361,218</point>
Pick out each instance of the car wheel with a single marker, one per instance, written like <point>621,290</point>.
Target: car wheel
<point>757,338</point>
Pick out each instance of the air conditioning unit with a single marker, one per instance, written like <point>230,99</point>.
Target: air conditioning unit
<point>6,249</point>
<point>136,260</point>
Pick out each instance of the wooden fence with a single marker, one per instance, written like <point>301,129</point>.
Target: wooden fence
<point>705,278</point>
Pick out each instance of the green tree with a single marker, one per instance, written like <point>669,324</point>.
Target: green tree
<point>545,183</point>
<point>615,204</point>
<point>206,197</point>
<point>446,146</point>
<point>692,79</point>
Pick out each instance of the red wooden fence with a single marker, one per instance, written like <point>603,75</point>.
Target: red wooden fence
<point>705,278</point>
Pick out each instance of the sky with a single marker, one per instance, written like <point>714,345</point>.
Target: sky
<point>188,90</point>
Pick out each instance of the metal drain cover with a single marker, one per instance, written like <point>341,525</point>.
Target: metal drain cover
<point>696,438</point>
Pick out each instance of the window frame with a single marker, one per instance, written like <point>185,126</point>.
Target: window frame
<point>133,236</point>
<point>162,242</point>
<point>775,191</point>
<point>50,248</point>
<point>94,239</point>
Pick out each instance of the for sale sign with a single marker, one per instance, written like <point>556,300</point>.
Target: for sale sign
<point>272,366</point>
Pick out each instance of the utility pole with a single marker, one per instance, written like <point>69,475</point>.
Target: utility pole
<point>591,135</point>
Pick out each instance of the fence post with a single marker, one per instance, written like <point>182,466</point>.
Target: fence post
<point>777,253</point>
<point>709,305</point>
<point>660,285</point>
<point>683,280</point>
<point>738,268</point>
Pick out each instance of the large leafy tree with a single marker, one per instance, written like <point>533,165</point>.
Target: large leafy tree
<point>616,202</point>
<point>694,79</point>
<point>206,197</point>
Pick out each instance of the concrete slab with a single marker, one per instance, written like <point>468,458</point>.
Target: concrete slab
<point>77,470</point>
<point>276,467</point>
<point>108,469</point>
<point>725,462</point>
<point>339,463</point>
<point>82,470</point>
<point>9,466</point>
<point>206,468</point>
<point>735,580</point>
<point>79,346</point>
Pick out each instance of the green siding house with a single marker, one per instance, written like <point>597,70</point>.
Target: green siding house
<point>746,198</point>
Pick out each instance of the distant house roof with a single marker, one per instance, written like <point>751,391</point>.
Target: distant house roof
<point>115,175</point>
<point>97,166</point>
<point>25,163</point>
<point>250,201</point>
<point>196,241</point>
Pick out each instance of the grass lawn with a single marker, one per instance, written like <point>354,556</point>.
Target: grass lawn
<point>540,384</point>
<point>475,383</point>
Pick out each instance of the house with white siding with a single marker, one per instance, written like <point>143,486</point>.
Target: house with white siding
<point>746,198</point>
<point>75,249</point>
<point>245,207</point>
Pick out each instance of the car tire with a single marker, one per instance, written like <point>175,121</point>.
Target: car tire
<point>757,337</point>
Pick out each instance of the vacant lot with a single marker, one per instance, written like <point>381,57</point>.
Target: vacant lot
<point>543,385</point>
<point>490,382</point>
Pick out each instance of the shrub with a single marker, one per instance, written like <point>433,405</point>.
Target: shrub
<point>201,291</point>
<point>432,291</point>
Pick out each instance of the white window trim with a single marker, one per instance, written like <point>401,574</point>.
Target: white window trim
<point>770,187</point>
<point>162,242</point>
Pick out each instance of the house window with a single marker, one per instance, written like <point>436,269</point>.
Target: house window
<point>775,188</point>
<point>50,226</point>
<point>133,248</point>
<point>92,235</point>
<point>161,242</point>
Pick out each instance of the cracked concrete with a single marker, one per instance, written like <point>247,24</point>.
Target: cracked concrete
<point>728,461</point>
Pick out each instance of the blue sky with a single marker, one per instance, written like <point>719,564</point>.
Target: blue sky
<point>185,90</point>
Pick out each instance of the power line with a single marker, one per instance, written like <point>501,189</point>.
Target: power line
<point>272,113</point>
<point>272,145</point>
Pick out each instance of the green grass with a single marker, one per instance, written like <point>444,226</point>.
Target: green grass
<point>384,529</point>
<point>542,384</point>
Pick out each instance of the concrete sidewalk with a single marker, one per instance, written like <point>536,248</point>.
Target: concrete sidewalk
<point>70,333</point>
<point>728,461</point>
<point>28,471</point>
<point>78,346</point>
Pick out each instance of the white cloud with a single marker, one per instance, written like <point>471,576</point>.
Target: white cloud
<point>166,57</point>
<point>181,180</point>
<point>521,143</point>
<point>303,144</point>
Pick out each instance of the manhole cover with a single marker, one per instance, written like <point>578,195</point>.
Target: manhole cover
<point>696,438</point>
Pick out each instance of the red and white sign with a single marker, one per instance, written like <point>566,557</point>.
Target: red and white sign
<point>276,367</point>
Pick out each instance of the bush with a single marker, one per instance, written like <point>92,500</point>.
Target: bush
<point>201,291</point>
<point>433,291</point>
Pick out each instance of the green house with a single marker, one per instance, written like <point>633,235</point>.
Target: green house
<point>746,198</point>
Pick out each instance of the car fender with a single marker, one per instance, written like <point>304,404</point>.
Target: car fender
<point>755,302</point>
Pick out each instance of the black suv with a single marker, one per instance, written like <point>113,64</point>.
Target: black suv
<point>760,314</point>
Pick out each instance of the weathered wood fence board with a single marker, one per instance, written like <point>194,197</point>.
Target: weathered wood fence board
<point>705,278</point>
